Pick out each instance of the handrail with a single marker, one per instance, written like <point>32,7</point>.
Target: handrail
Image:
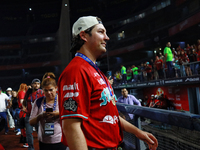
<point>179,119</point>
<point>175,118</point>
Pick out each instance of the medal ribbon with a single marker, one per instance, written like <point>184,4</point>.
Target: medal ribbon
<point>54,105</point>
<point>95,67</point>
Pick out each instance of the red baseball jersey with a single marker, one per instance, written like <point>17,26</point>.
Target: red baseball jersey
<point>159,64</point>
<point>82,93</point>
<point>32,97</point>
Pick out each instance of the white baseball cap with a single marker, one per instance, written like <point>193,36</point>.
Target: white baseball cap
<point>9,89</point>
<point>84,23</point>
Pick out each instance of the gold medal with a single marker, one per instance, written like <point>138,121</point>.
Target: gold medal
<point>113,101</point>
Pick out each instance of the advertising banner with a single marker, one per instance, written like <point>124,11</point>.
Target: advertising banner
<point>178,95</point>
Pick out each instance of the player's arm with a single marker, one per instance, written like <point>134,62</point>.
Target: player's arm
<point>74,134</point>
<point>142,135</point>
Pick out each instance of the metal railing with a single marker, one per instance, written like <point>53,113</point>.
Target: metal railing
<point>174,130</point>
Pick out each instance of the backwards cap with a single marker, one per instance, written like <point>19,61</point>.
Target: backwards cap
<point>35,80</point>
<point>84,23</point>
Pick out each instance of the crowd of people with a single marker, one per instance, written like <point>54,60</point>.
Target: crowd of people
<point>79,112</point>
<point>171,63</point>
<point>28,108</point>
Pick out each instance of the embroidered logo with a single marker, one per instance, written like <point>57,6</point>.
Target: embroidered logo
<point>110,119</point>
<point>105,96</point>
<point>70,105</point>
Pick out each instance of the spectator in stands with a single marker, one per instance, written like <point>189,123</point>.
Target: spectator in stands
<point>178,54</point>
<point>168,60</point>
<point>144,72</point>
<point>9,111</point>
<point>31,95</point>
<point>135,73</point>
<point>3,108</point>
<point>198,44</point>
<point>193,58</point>
<point>128,99</point>
<point>187,49</point>
<point>148,70</point>
<point>159,67</point>
<point>184,62</point>
<point>153,69</point>
<point>123,73</point>
<point>179,48</point>
<point>129,74</point>
<point>16,111</point>
<point>177,67</point>
<point>45,111</point>
<point>118,76</point>
<point>140,72</point>
<point>161,56</point>
<point>174,52</point>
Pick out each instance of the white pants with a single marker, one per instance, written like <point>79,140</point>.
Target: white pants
<point>10,119</point>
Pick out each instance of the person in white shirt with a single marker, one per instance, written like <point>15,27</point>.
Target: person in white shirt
<point>9,111</point>
<point>3,108</point>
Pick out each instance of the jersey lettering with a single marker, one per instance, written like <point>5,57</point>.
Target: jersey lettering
<point>71,87</point>
<point>101,81</point>
<point>71,94</point>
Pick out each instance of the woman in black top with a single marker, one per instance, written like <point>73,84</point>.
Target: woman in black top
<point>16,111</point>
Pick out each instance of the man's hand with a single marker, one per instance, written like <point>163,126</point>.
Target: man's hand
<point>142,135</point>
<point>149,139</point>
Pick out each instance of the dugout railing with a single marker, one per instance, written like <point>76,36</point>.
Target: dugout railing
<point>174,130</point>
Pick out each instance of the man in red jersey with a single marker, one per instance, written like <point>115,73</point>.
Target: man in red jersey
<point>31,95</point>
<point>87,105</point>
<point>159,67</point>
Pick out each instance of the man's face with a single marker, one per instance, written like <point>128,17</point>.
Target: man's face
<point>168,44</point>
<point>124,93</point>
<point>96,43</point>
<point>157,58</point>
<point>9,92</point>
<point>36,85</point>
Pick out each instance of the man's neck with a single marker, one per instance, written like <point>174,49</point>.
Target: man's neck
<point>34,90</point>
<point>89,55</point>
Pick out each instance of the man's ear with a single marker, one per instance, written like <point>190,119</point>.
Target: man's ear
<point>83,36</point>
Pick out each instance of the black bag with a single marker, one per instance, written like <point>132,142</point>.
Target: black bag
<point>21,122</point>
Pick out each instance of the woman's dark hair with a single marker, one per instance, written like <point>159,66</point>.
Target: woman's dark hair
<point>77,42</point>
<point>49,78</point>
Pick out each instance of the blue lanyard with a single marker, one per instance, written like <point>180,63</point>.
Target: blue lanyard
<point>95,67</point>
<point>54,105</point>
